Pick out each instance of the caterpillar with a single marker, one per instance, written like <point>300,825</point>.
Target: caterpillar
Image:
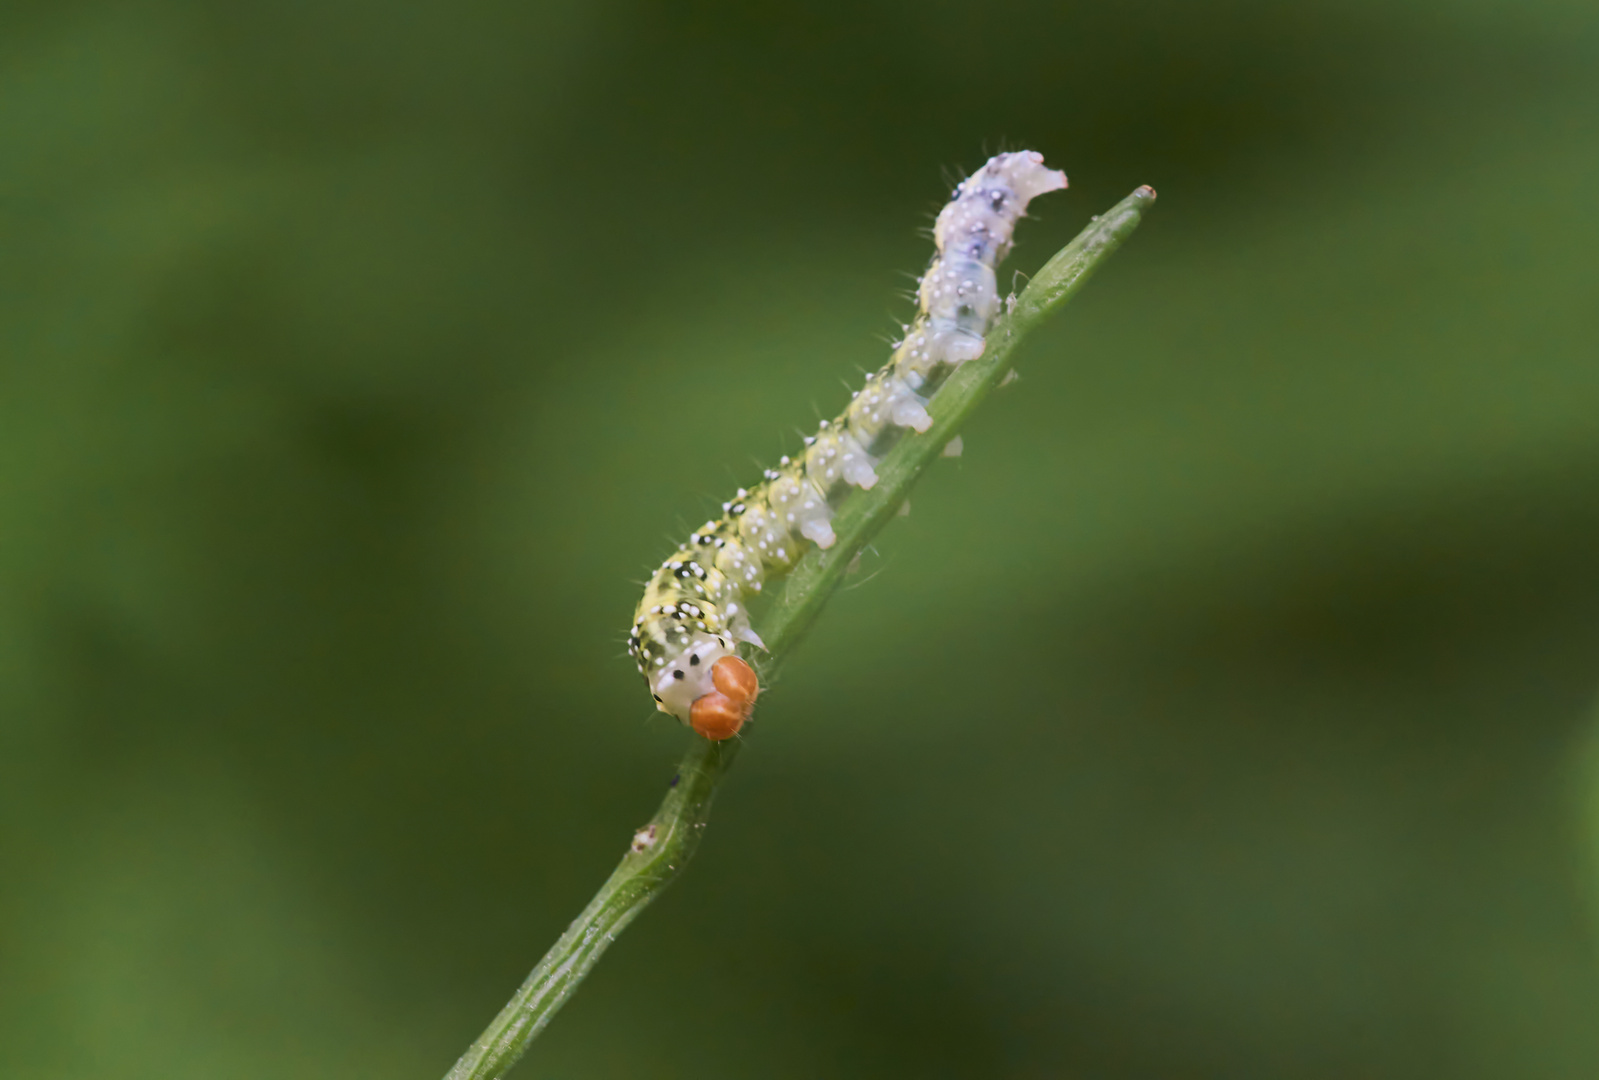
<point>695,608</point>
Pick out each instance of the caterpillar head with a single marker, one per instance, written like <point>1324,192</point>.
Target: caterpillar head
<point>706,686</point>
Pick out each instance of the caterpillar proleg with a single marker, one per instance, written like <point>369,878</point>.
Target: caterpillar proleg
<point>694,613</point>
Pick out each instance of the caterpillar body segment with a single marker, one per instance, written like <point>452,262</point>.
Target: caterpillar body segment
<point>694,613</point>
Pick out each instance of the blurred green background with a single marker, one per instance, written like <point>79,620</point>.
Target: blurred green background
<point>1221,713</point>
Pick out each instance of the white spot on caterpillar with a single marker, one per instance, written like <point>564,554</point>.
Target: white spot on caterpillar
<point>904,509</point>
<point>954,447</point>
<point>644,839</point>
<point>1010,377</point>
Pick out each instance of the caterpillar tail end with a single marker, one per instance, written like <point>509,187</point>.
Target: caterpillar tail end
<point>719,714</point>
<point>1033,178</point>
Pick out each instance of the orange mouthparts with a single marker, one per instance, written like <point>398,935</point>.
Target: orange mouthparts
<point>719,714</point>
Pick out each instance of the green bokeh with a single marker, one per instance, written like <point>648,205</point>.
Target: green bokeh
<point>1218,714</point>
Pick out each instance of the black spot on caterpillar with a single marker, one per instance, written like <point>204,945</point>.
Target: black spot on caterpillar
<point>694,612</point>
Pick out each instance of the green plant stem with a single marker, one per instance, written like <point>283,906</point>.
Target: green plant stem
<point>662,848</point>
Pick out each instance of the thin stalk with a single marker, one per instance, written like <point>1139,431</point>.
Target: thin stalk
<point>661,849</point>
